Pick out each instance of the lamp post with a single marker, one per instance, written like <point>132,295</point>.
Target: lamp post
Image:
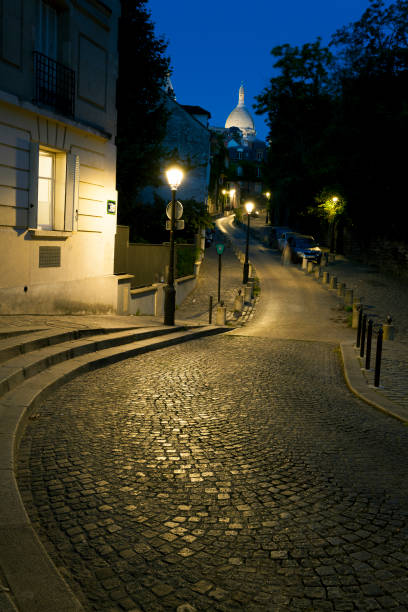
<point>232,196</point>
<point>174,178</point>
<point>224,199</point>
<point>249,207</point>
<point>268,197</point>
<point>335,199</point>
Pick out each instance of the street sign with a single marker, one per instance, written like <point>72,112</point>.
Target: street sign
<point>178,210</point>
<point>220,248</point>
<point>178,225</point>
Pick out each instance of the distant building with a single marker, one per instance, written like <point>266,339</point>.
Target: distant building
<point>188,140</point>
<point>240,173</point>
<point>58,199</point>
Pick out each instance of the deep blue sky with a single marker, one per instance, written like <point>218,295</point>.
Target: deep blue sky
<point>216,44</point>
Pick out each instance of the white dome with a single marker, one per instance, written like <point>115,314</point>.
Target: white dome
<point>240,116</point>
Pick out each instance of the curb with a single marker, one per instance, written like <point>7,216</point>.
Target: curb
<point>357,384</point>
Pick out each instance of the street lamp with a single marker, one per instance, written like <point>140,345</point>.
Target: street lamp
<point>174,178</point>
<point>335,199</point>
<point>224,200</point>
<point>231,195</point>
<point>249,207</point>
<point>268,197</point>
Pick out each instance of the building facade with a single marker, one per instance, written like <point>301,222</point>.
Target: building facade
<point>239,159</point>
<point>187,142</point>
<point>58,199</point>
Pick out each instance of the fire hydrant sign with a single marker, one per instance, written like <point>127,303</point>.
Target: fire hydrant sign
<point>220,248</point>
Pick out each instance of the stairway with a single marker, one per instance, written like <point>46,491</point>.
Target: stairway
<point>32,363</point>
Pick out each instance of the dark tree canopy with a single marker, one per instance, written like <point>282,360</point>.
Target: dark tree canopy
<point>143,69</point>
<point>338,120</point>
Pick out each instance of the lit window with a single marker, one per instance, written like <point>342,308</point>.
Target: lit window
<point>54,186</point>
<point>239,171</point>
<point>46,189</point>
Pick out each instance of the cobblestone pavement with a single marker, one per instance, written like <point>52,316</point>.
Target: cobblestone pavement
<point>381,294</point>
<point>239,474</point>
<point>195,308</point>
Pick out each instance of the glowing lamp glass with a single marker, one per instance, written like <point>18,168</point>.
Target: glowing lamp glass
<point>174,177</point>
<point>249,207</point>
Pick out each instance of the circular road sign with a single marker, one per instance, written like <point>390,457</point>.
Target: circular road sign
<point>178,210</point>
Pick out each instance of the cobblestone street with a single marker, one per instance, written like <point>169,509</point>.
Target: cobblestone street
<point>239,474</point>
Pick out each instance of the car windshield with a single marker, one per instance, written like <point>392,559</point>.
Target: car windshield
<point>305,244</point>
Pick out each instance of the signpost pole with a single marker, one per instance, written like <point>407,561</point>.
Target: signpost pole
<point>220,250</point>
<point>219,277</point>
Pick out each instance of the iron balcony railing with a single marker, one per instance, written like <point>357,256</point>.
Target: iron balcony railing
<point>54,84</point>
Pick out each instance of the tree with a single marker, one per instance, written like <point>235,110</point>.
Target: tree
<point>373,121</point>
<point>143,69</point>
<point>299,107</point>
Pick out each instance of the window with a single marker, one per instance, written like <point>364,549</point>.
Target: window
<point>239,171</point>
<point>259,155</point>
<point>239,154</point>
<point>258,172</point>
<point>46,190</point>
<point>53,194</point>
<point>47,30</point>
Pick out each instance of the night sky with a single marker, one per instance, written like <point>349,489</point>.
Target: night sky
<point>214,45</point>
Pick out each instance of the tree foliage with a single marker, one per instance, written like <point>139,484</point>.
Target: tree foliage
<point>143,68</point>
<point>338,120</point>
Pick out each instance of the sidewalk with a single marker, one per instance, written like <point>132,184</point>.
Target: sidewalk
<point>381,295</point>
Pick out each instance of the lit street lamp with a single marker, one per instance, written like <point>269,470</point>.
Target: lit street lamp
<point>224,200</point>
<point>249,207</point>
<point>232,196</point>
<point>174,178</point>
<point>268,197</point>
<point>335,199</point>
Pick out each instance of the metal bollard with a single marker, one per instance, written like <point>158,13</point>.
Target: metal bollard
<point>360,320</point>
<point>310,267</point>
<point>368,349</point>
<point>363,334</point>
<point>348,297</point>
<point>378,358</point>
<point>318,272</point>
<point>341,287</point>
<point>333,282</point>
<point>354,318</point>
<point>388,329</point>
<point>221,314</point>
<point>304,263</point>
<point>210,307</point>
<point>326,277</point>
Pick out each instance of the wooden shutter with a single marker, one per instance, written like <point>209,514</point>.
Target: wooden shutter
<point>33,187</point>
<point>71,193</point>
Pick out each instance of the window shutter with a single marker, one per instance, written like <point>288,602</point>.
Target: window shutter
<point>33,187</point>
<point>71,193</point>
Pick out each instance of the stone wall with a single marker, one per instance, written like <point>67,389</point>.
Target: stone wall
<point>387,255</point>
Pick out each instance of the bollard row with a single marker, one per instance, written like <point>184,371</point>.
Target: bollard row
<point>360,321</point>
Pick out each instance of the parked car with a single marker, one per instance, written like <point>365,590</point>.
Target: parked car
<point>276,232</point>
<point>304,247</point>
<point>283,238</point>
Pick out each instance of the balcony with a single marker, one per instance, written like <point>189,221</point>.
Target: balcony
<point>54,85</point>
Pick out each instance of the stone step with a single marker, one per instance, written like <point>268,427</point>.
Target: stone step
<point>12,345</point>
<point>24,562</point>
<point>63,346</point>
